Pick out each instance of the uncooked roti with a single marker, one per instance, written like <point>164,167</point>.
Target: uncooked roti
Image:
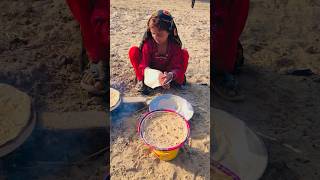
<point>151,77</point>
<point>114,97</point>
<point>15,111</point>
<point>165,129</point>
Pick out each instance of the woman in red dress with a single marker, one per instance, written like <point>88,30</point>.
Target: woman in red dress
<point>161,50</point>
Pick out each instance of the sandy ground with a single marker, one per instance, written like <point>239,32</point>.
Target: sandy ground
<point>40,49</point>
<point>281,35</point>
<point>40,46</point>
<point>39,52</point>
<point>130,159</point>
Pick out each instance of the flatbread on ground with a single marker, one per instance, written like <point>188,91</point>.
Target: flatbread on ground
<point>15,112</point>
<point>114,97</point>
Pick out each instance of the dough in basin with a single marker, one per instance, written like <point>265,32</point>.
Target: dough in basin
<point>165,129</point>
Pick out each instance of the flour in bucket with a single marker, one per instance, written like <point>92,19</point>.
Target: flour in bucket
<point>165,131</point>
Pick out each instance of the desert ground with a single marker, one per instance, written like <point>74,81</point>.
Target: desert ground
<point>129,157</point>
<point>40,50</point>
<point>281,36</point>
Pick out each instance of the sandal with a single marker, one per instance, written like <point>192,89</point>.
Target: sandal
<point>94,78</point>
<point>227,87</point>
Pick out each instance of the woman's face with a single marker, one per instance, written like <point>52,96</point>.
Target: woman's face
<point>160,36</point>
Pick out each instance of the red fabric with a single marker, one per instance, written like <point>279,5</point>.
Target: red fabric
<point>135,59</point>
<point>230,18</point>
<point>176,60</point>
<point>93,17</point>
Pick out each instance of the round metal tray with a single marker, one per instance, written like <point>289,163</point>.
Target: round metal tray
<point>21,138</point>
<point>240,149</point>
<point>118,103</point>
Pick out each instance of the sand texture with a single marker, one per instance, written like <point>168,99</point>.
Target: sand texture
<point>130,158</point>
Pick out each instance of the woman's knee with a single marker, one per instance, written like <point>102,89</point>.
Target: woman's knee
<point>185,55</point>
<point>134,52</point>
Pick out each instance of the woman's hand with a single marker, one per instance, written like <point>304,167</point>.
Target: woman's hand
<point>162,79</point>
<point>165,79</point>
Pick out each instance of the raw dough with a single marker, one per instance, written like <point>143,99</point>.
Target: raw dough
<point>151,77</point>
<point>165,129</point>
<point>15,111</point>
<point>114,97</point>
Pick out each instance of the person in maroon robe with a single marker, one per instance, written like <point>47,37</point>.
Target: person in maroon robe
<point>227,25</point>
<point>93,17</point>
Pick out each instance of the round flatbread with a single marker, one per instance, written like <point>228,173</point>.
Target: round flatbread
<point>114,97</point>
<point>15,112</point>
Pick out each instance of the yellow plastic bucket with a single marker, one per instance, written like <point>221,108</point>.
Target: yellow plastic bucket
<point>165,154</point>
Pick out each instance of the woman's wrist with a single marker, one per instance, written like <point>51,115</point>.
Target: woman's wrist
<point>173,75</point>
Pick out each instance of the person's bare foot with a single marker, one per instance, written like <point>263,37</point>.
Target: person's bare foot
<point>93,79</point>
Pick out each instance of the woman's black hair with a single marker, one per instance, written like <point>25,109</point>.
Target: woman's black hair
<point>164,21</point>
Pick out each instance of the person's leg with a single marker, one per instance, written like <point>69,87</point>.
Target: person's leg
<point>229,19</point>
<point>180,80</point>
<point>100,24</point>
<point>223,48</point>
<point>240,9</point>
<point>80,9</point>
<point>219,36</point>
<point>135,56</point>
<point>240,15</point>
<point>185,64</point>
<point>93,19</point>
<point>185,60</point>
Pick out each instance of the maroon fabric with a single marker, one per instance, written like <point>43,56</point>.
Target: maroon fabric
<point>229,21</point>
<point>175,61</point>
<point>93,17</point>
